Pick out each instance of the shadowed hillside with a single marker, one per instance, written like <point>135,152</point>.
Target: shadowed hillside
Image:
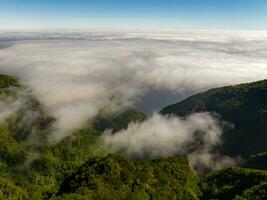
<point>244,106</point>
<point>235,183</point>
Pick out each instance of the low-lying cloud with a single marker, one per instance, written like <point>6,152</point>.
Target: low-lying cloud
<point>77,75</point>
<point>196,136</point>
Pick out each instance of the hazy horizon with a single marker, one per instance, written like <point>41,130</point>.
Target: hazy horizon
<point>149,14</point>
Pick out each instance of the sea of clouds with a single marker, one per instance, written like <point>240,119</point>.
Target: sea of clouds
<point>77,75</point>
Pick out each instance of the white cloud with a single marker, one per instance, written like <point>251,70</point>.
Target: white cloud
<point>196,136</point>
<point>77,75</point>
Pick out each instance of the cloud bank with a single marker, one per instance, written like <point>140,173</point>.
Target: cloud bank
<point>77,75</point>
<point>196,136</point>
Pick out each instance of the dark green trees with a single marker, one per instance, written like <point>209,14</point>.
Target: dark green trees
<point>115,177</point>
<point>244,106</point>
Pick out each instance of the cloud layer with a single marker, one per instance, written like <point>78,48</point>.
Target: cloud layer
<point>77,75</point>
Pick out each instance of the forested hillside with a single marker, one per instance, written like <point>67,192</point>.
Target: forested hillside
<point>31,167</point>
<point>244,106</point>
<point>115,177</point>
<point>235,183</point>
<point>79,166</point>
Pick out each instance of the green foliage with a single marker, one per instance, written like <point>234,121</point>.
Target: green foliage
<point>9,191</point>
<point>6,83</point>
<point>76,168</point>
<point>233,183</point>
<point>245,106</point>
<point>61,159</point>
<point>30,123</point>
<point>117,122</point>
<point>258,192</point>
<point>11,151</point>
<point>26,156</point>
<point>41,170</point>
<point>115,177</point>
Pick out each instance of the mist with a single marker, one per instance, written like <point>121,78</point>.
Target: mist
<point>75,76</point>
<point>8,107</point>
<point>196,136</point>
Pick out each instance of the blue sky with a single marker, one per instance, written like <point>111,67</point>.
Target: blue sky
<point>134,14</point>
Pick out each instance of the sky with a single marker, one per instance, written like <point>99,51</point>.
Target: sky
<point>137,14</point>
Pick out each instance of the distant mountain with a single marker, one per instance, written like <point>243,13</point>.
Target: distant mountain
<point>245,106</point>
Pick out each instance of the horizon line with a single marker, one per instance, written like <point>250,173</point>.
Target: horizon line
<point>91,29</point>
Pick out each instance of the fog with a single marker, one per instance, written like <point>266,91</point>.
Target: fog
<point>196,136</point>
<point>77,75</point>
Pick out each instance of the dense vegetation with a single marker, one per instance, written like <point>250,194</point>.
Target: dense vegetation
<point>115,177</point>
<point>30,166</point>
<point>78,167</point>
<point>118,121</point>
<point>7,83</point>
<point>245,106</point>
<point>235,183</point>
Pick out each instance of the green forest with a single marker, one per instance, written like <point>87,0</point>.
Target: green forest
<point>80,167</point>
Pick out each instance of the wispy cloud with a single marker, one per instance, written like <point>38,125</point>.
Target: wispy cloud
<point>196,136</point>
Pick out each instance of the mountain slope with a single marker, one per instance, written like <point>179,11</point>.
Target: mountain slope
<point>245,106</point>
<point>117,122</point>
<point>27,159</point>
<point>31,168</point>
<point>235,183</point>
<point>115,177</point>
<point>6,83</point>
